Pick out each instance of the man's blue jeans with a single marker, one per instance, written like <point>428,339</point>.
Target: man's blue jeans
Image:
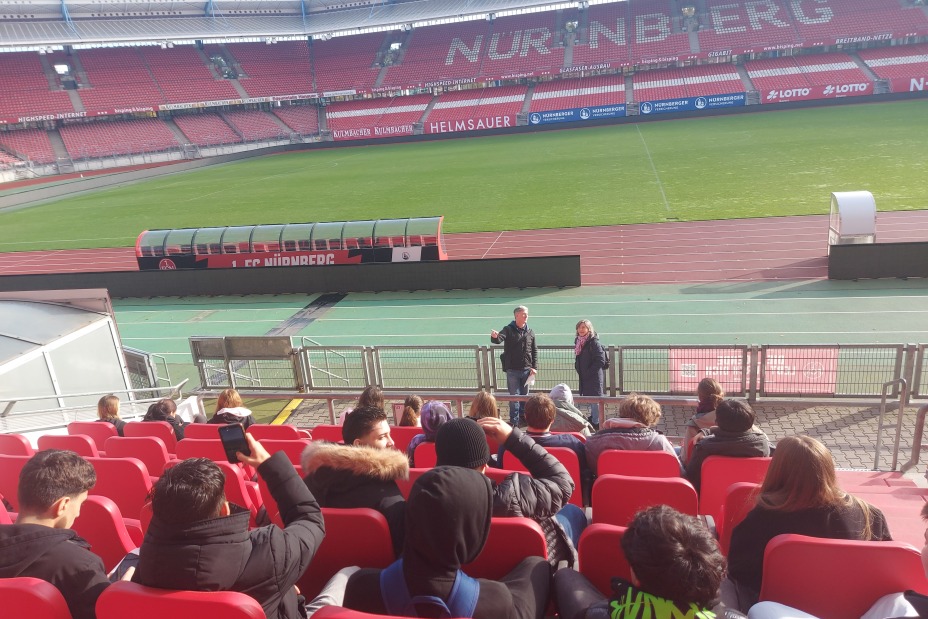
<point>515,384</point>
<point>573,519</point>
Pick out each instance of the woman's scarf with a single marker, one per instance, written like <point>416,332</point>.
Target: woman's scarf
<point>579,342</point>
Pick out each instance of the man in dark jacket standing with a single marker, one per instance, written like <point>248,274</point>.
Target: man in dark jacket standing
<point>197,541</point>
<point>520,358</point>
<point>52,486</point>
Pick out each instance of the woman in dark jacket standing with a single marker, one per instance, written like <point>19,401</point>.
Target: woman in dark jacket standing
<point>590,363</point>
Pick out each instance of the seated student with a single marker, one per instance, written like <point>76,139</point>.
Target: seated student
<point>197,541</point>
<point>710,395</point>
<point>447,523</point>
<point>676,571</point>
<point>539,415</point>
<point>166,410</point>
<point>633,429</point>
<point>434,415</point>
<point>904,604</point>
<point>484,405</point>
<point>734,435</point>
<point>542,495</point>
<point>230,409</point>
<point>412,408</point>
<point>52,486</point>
<point>108,411</point>
<point>362,472</point>
<point>800,494</point>
<point>569,418</point>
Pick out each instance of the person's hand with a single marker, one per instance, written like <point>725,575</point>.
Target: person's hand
<point>258,453</point>
<point>128,575</point>
<point>494,334</point>
<point>495,428</point>
<point>533,371</point>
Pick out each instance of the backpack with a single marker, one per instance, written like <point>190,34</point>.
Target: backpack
<point>461,602</point>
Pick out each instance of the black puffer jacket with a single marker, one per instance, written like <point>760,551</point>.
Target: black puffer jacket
<point>750,444</point>
<point>221,554</point>
<point>348,476</point>
<point>590,365</point>
<point>519,348</point>
<point>539,495</point>
<point>57,556</point>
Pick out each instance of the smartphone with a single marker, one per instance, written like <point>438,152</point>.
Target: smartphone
<point>233,440</point>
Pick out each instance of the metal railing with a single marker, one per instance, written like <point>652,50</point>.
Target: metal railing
<point>828,374</point>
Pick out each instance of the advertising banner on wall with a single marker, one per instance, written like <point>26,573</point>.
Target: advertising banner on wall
<point>688,366</point>
<point>909,84</point>
<point>790,371</point>
<point>476,123</point>
<point>369,133</point>
<point>687,104</point>
<point>576,114</point>
<point>819,91</point>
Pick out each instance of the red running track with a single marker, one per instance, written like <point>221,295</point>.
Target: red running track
<point>769,249</point>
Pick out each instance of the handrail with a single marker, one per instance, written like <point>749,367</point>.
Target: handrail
<point>175,391</point>
<point>903,396</point>
<point>917,439</point>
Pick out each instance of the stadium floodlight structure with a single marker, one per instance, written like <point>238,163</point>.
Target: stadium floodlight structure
<point>43,23</point>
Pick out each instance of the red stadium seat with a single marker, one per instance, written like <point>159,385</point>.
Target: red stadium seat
<point>124,480</point>
<point>327,432</point>
<point>510,541</point>
<point>101,524</point>
<point>149,449</point>
<point>617,498</point>
<point>799,569</point>
<point>738,502</point>
<point>128,599</point>
<point>601,557</point>
<point>402,435</point>
<point>10,466</point>
<point>202,431</point>
<point>338,612</point>
<point>207,448</point>
<point>240,491</point>
<point>263,431</point>
<point>638,463</point>
<point>293,448</point>
<point>80,444</point>
<point>5,517</point>
<point>564,455</point>
<point>98,430</point>
<point>719,473</point>
<point>425,456</point>
<point>270,505</point>
<point>161,429</point>
<point>32,598</point>
<point>15,445</point>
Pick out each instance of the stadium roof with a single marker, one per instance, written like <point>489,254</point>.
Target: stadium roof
<point>29,26</point>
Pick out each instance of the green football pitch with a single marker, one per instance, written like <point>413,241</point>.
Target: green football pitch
<point>745,165</point>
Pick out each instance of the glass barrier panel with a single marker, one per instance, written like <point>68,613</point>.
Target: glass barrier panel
<point>266,238</point>
<point>296,237</point>
<point>235,240</point>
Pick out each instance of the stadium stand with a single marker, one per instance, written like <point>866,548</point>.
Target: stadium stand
<point>658,84</point>
<point>32,144</point>
<point>851,18</point>
<point>198,83</point>
<point>254,125</point>
<point>447,52</point>
<point>522,44</point>
<point>604,39</point>
<point>103,139</point>
<point>367,114</point>
<point>7,159</point>
<point>897,62</point>
<point>688,82</point>
<point>484,103</point>
<point>302,119</point>
<point>777,73</point>
<point>206,129</point>
<point>346,63</point>
<point>281,69</point>
<point>571,93</point>
<point>654,33</point>
<point>830,69</point>
<point>25,90</point>
<point>118,78</point>
<point>737,26</point>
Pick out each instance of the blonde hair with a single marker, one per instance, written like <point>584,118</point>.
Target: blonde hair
<point>589,325</point>
<point>411,407</point>
<point>229,398</point>
<point>108,407</point>
<point>641,408</point>
<point>802,476</point>
<point>484,405</point>
<point>710,392</point>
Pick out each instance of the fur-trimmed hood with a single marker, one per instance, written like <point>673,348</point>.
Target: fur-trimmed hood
<point>378,464</point>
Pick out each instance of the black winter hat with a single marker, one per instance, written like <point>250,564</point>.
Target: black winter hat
<point>461,442</point>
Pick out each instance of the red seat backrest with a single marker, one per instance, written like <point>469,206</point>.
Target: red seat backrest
<point>738,502</point>
<point>836,579</point>
<point>101,524</point>
<point>32,598</point>
<point>510,541</point>
<point>617,498</point>
<point>425,456</point>
<point>564,455</point>
<point>358,536</point>
<point>236,489</point>
<point>207,448</point>
<point>128,599</point>
<point>10,466</point>
<point>99,431</point>
<point>15,445</point>
<point>327,432</point>
<point>402,435</point>
<point>638,463</point>
<point>270,505</point>
<point>263,431</point>
<point>601,557</point>
<point>149,449</point>
<point>161,429</point>
<point>202,431</point>
<point>293,448</point>
<point>5,517</point>
<point>81,444</point>
<point>124,480</point>
<point>339,612</point>
<point>405,485</point>
<point>720,472</point>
